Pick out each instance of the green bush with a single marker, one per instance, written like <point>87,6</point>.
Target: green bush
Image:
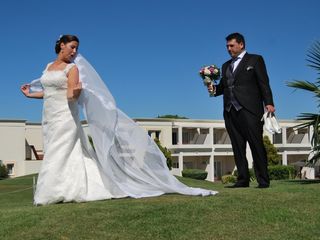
<point>195,174</point>
<point>279,172</point>
<point>272,153</point>
<point>165,152</point>
<point>228,179</point>
<point>276,172</point>
<point>3,171</point>
<point>251,173</point>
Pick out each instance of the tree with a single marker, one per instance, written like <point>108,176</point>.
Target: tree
<point>172,116</point>
<point>165,152</point>
<point>312,119</point>
<point>272,152</point>
<point>3,171</point>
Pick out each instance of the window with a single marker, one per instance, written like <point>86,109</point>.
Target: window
<point>175,164</point>
<point>217,169</point>
<point>154,134</point>
<point>10,167</point>
<point>277,138</point>
<point>28,151</point>
<point>174,138</point>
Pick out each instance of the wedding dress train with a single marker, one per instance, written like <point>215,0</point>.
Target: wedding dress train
<point>125,161</point>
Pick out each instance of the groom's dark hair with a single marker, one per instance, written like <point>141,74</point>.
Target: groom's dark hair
<point>238,37</point>
<point>65,39</point>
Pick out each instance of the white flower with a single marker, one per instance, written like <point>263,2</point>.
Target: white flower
<point>206,71</point>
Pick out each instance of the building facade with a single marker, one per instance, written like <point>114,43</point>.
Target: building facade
<point>201,144</point>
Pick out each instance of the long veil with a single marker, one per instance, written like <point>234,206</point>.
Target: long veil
<point>130,162</point>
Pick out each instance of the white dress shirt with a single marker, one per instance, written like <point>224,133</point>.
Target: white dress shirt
<point>239,58</point>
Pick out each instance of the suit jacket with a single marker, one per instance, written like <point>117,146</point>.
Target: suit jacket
<point>251,85</point>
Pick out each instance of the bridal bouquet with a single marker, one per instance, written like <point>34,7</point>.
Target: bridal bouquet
<point>209,74</point>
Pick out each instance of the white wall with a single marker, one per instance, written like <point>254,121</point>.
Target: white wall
<point>34,135</point>
<point>12,144</point>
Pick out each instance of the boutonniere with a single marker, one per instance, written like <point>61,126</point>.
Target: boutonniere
<point>249,68</point>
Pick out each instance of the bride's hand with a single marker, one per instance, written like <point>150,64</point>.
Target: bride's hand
<point>77,90</point>
<point>25,89</point>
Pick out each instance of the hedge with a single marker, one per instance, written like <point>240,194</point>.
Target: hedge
<point>195,174</point>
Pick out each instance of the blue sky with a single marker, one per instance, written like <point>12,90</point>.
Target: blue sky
<point>149,51</point>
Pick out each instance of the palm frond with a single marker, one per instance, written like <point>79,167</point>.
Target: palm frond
<point>315,157</point>
<point>309,116</point>
<point>304,85</point>
<point>314,65</point>
<point>311,120</point>
<point>314,56</point>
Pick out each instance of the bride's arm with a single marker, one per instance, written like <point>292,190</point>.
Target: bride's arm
<point>74,85</point>
<point>25,89</point>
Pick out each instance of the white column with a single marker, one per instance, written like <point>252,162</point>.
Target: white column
<point>153,135</point>
<point>180,163</point>
<point>211,168</point>
<point>180,135</point>
<point>284,158</point>
<point>310,134</point>
<point>211,136</point>
<point>284,135</point>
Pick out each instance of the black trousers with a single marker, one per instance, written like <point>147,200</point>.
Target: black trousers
<point>243,127</point>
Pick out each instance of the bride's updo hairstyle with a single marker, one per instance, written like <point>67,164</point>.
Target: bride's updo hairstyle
<point>65,39</point>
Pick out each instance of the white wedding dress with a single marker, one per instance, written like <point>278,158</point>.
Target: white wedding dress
<point>125,162</point>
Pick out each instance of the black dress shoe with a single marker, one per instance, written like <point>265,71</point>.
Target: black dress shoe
<point>238,185</point>
<point>263,186</point>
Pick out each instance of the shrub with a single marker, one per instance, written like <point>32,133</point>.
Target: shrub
<point>251,173</point>
<point>195,174</point>
<point>91,142</point>
<point>228,179</point>
<point>279,172</point>
<point>3,171</point>
<point>165,152</point>
<point>272,153</point>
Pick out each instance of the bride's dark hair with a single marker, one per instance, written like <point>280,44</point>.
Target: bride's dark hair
<point>65,39</point>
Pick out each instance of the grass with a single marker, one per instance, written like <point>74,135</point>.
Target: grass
<point>287,210</point>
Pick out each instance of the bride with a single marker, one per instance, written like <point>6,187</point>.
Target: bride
<point>125,161</point>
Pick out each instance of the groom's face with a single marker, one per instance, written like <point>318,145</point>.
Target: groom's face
<point>234,48</point>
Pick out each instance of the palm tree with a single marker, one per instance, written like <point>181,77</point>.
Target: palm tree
<point>312,119</point>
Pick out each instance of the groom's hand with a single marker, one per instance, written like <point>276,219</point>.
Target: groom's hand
<point>270,108</point>
<point>211,88</point>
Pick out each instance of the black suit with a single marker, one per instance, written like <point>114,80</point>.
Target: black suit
<point>245,92</point>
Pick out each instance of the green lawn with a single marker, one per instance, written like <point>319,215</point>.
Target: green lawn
<point>287,210</point>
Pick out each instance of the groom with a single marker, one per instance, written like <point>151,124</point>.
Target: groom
<point>246,95</point>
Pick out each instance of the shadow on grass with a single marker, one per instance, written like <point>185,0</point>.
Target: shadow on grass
<point>305,181</point>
